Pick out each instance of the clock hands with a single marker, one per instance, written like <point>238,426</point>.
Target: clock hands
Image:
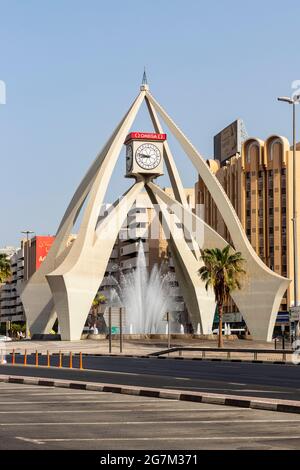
<point>144,155</point>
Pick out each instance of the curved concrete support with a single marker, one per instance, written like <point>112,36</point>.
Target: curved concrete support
<point>173,173</point>
<point>201,306</point>
<point>83,257</point>
<point>200,303</point>
<point>262,291</point>
<point>36,295</point>
<point>74,290</point>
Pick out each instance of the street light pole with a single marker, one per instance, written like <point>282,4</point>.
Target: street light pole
<point>27,233</point>
<point>293,101</point>
<point>295,241</point>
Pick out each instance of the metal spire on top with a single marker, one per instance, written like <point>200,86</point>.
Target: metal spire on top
<point>144,81</point>
<point>144,85</point>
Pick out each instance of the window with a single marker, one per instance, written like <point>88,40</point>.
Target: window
<point>275,146</point>
<point>253,149</point>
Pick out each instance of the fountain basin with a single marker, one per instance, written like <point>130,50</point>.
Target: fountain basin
<point>158,337</point>
<point>96,337</point>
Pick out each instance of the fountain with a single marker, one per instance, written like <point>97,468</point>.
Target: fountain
<point>145,296</point>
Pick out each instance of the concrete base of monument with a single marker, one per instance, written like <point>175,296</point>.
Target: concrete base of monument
<point>213,337</point>
<point>45,337</point>
<point>95,336</point>
<point>157,337</point>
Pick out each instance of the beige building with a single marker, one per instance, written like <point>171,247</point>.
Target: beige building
<point>259,185</point>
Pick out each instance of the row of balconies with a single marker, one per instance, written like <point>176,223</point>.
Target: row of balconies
<point>133,248</point>
<point>8,303</point>
<point>133,233</point>
<point>131,263</point>
<point>12,317</point>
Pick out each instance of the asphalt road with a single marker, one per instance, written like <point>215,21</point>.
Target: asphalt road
<point>257,380</point>
<point>39,418</point>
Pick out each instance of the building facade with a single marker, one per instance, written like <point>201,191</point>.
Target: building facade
<point>259,185</point>
<point>11,308</point>
<point>24,262</point>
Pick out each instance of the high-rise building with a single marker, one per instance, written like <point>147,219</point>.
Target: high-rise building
<point>11,308</point>
<point>259,183</point>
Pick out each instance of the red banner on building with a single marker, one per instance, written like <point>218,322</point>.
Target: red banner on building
<point>43,245</point>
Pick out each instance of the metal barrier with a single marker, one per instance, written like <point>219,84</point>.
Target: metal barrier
<point>37,359</point>
<point>282,353</point>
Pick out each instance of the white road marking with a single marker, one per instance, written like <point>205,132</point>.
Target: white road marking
<point>260,391</point>
<point>109,423</point>
<point>224,390</point>
<point>22,389</point>
<point>212,438</point>
<point>66,393</point>
<point>107,410</point>
<point>91,402</point>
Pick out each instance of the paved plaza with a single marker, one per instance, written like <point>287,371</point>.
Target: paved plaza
<point>136,347</point>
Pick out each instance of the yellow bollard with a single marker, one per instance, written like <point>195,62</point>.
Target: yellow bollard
<point>13,359</point>
<point>80,361</point>
<point>48,359</point>
<point>36,359</point>
<point>60,360</point>
<point>25,357</point>
<point>71,361</point>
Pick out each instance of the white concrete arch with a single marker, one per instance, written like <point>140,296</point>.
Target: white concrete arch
<point>36,294</point>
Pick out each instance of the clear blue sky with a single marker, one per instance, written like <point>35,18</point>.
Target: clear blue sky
<point>73,67</point>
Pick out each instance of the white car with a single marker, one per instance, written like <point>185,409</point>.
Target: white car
<point>232,330</point>
<point>5,338</point>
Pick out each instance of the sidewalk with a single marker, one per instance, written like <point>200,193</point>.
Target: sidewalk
<point>145,347</point>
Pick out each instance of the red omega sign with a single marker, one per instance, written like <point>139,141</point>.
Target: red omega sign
<point>145,136</point>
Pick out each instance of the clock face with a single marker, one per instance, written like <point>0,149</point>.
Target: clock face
<point>147,156</point>
<point>129,155</point>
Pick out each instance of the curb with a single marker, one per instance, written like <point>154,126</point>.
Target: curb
<point>283,406</point>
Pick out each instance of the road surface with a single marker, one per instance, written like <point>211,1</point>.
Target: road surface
<point>39,418</point>
<point>246,379</point>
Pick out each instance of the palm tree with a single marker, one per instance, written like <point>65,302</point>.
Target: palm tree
<point>222,271</point>
<point>5,271</point>
<point>98,300</point>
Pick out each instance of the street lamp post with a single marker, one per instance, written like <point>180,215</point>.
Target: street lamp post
<point>293,101</point>
<point>26,265</point>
